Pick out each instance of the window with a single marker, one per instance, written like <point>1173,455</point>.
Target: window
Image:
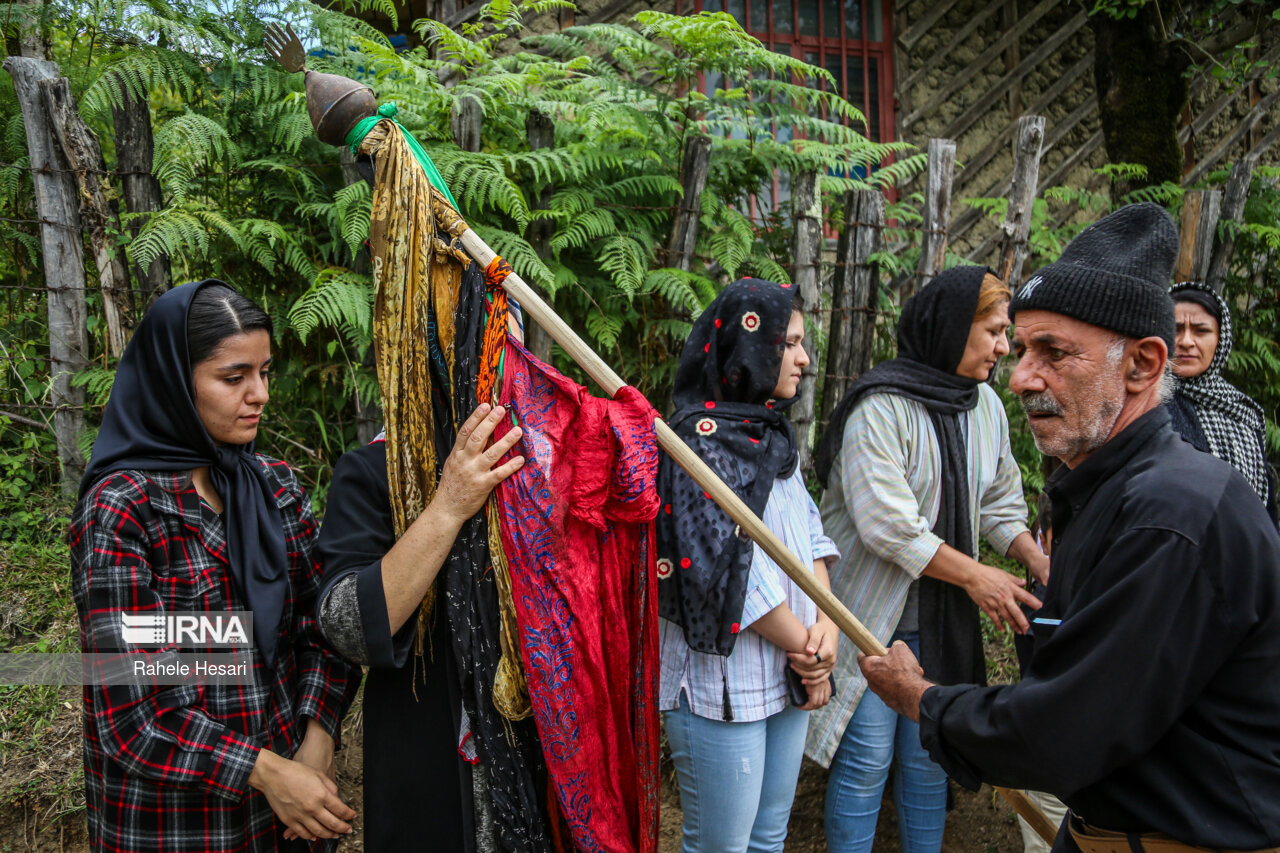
<point>851,39</point>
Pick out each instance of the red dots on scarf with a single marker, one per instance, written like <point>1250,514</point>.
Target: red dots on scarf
<point>707,495</point>
<point>710,404</point>
<point>734,628</point>
<point>706,347</point>
<point>667,509</point>
<point>686,563</point>
<point>785,286</point>
<point>717,322</point>
<point>753,440</point>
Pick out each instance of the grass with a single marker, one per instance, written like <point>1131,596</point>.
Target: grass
<point>40,760</point>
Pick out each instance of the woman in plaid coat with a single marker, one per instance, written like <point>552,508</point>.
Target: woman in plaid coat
<point>178,513</point>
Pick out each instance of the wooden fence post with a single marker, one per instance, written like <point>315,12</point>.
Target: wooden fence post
<point>62,252</point>
<point>695,160</point>
<point>806,255</point>
<point>465,122</point>
<point>135,150</point>
<point>1237,193</point>
<point>855,294</point>
<point>1200,209</point>
<point>1022,198</point>
<point>937,213</point>
<point>84,155</point>
<point>368,415</point>
<point>541,131</point>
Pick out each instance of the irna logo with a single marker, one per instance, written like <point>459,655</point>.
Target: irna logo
<point>186,630</point>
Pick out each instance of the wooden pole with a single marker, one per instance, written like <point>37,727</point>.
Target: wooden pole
<point>855,292</point>
<point>62,251</point>
<point>1022,197</point>
<point>1200,209</point>
<point>937,213</point>
<point>84,155</point>
<point>1236,194</point>
<point>806,247</point>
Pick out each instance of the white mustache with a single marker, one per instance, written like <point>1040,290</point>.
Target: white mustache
<point>1040,403</point>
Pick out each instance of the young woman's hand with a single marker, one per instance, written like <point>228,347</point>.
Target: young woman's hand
<point>819,657</point>
<point>304,799</point>
<point>469,474</point>
<point>316,750</point>
<point>819,694</point>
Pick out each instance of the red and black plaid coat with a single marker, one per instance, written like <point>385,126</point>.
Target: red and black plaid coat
<point>167,769</point>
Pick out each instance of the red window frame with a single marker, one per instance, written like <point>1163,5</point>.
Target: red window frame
<point>815,49</point>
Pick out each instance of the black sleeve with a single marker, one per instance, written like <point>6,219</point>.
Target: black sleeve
<point>357,532</point>
<point>1139,642</point>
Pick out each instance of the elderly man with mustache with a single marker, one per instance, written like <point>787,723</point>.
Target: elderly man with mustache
<point>1151,705</point>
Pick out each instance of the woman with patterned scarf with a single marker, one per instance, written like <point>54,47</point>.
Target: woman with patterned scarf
<point>744,653</point>
<point>1207,410</point>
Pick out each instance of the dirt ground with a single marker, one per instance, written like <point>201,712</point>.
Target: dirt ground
<point>979,823</point>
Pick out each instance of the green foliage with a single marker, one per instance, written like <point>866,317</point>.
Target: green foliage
<point>251,197</point>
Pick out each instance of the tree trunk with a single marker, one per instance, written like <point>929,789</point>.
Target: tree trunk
<point>84,155</point>
<point>541,131</point>
<point>695,161</point>
<point>62,253</point>
<point>806,247</point>
<point>134,158</point>
<point>1141,93</point>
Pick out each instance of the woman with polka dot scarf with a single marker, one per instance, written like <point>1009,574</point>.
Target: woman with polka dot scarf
<point>745,653</point>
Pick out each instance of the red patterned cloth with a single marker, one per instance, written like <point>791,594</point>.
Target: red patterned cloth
<point>577,526</point>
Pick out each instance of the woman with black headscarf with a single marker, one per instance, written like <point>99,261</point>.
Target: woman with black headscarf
<point>1206,409</point>
<point>733,625</point>
<point>917,465</point>
<point>177,512</point>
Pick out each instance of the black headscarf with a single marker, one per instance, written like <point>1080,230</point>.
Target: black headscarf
<point>725,412</point>
<point>151,424</point>
<point>932,334</point>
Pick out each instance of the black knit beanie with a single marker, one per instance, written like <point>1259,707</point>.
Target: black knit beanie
<point>1115,274</point>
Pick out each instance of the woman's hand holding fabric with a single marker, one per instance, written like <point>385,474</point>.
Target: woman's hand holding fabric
<point>303,798</point>
<point>469,474</point>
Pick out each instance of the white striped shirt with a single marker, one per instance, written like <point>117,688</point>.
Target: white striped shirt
<point>755,673</point>
<point>880,507</point>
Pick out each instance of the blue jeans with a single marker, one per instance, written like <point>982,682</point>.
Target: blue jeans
<point>737,780</point>
<point>874,737</point>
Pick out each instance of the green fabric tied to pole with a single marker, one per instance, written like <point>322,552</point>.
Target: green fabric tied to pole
<point>388,110</point>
